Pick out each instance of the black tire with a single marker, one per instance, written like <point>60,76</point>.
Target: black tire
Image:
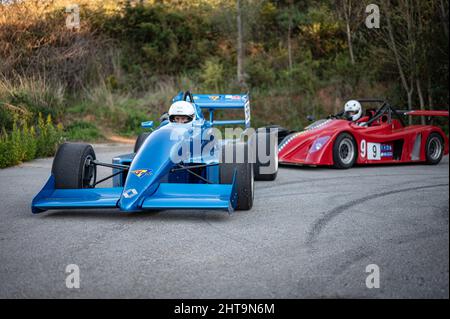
<point>140,140</point>
<point>245,186</point>
<point>262,171</point>
<point>434,149</point>
<point>282,132</point>
<point>345,151</point>
<point>70,167</point>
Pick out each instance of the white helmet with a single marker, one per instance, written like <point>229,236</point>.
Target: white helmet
<point>352,110</point>
<point>181,108</point>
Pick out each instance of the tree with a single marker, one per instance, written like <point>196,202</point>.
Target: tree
<point>240,46</point>
<point>444,16</point>
<point>351,12</point>
<point>289,35</point>
<point>402,44</point>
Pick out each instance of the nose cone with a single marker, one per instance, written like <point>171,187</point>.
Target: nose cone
<point>291,144</point>
<point>153,161</point>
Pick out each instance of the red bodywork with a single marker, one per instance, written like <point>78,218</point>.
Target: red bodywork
<point>382,142</point>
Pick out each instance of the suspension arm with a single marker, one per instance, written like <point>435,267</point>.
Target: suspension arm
<point>118,166</point>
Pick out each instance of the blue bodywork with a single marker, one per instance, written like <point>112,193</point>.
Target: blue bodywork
<point>151,182</point>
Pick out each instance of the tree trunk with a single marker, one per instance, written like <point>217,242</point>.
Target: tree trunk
<point>408,89</point>
<point>347,8</point>
<point>430,94</point>
<point>410,96</point>
<point>289,36</point>
<point>350,44</point>
<point>240,47</point>
<point>444,18</point>
<point>421,100</point>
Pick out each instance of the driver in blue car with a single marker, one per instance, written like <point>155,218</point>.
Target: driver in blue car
<point>181,112</point>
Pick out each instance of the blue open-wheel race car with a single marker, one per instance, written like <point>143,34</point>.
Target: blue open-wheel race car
<point>178,165</point>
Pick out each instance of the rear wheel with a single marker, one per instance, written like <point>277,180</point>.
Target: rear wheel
<point>245,185</point>
<point>344,151</point>
<point>267,170</point>
<point>434,149</point>
<point>72,166</point>
<point>140,140</point>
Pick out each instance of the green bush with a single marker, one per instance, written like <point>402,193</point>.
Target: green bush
<point>260,72</point>
<point>160,39</point>
<point>82,131</point>
<point>211,75</point>
<point>6,117</point>
<point>24,142</point>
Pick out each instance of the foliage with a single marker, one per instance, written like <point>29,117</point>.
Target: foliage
<point>128,58</point>
<point>211,75</point>
<point>82,131</point>
<point>25,142</point>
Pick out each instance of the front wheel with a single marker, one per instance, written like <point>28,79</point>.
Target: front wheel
<point>344,151</point>
<point>434,149</point>
<point>72,166</point>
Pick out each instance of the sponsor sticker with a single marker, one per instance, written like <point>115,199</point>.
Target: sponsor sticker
<point>142,172</point>
<point>214,97</point>
<point>387,150</point>
<point>130,193</point>
<point>363,148</point>
<point>233,97</point>
<point>247,114</point>
<point>374,151</point>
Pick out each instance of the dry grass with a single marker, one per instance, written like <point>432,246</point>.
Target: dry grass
<point>34,39</point>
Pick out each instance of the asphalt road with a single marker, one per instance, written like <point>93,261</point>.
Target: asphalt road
<point>311,233</point>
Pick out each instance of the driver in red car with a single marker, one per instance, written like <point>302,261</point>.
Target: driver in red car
<point>353,110</point>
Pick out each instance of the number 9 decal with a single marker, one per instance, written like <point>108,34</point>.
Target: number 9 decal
<point>363,149</point>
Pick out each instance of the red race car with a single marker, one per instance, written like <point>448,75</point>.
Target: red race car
<point>379,136</point>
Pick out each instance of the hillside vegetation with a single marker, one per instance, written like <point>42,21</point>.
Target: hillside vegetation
<point>127,59</point>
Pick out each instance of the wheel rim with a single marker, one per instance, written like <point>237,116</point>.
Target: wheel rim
<point>346,151</point>
<point>89,174</point>
<point>435,148</point>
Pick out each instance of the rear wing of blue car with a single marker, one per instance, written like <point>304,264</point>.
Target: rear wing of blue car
<point>212,102</point>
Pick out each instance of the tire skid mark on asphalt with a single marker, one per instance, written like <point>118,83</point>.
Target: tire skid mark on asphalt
<point>292,194</point>
<point>394,186</point>
<point>347,258</point>
<point>261,192</point>
<point>443,212</point>
<point>342,261</point>
<point>351,257</point>
<point>322,222</point>
<point>290,183</point>
<point>243,240</point>
<point>407,238</point>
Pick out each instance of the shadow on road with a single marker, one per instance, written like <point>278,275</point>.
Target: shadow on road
<point>156,215</point>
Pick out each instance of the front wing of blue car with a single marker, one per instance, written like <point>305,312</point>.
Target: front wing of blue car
<point>166,196</point>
